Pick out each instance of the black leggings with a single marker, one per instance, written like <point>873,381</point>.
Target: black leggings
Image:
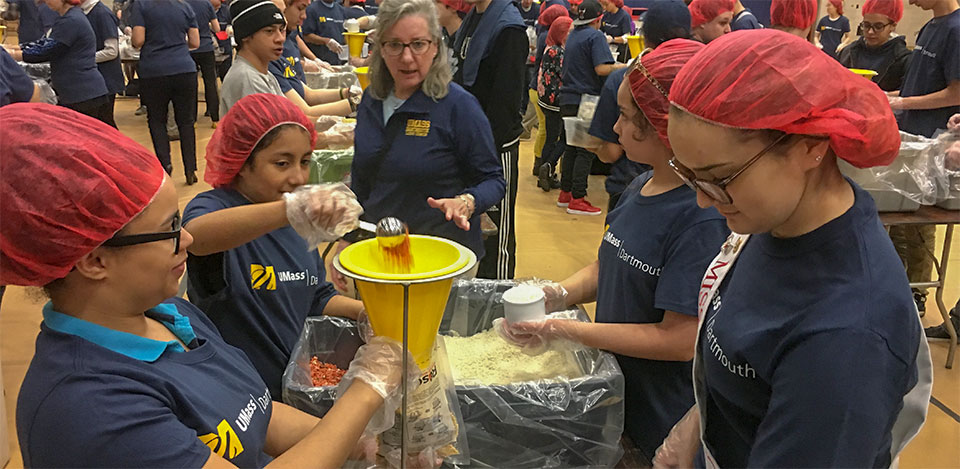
<point>208,68</point>
<point>100,108</point>
<point>554,144</point>
<point>156,93</point>
<point>223,67</point>
<point>576,162</point>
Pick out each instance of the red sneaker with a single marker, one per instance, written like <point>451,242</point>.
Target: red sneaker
<point>564,199</point>
<point>582,207</point>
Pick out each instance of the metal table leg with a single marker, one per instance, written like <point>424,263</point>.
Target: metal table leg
<point>941,273</point>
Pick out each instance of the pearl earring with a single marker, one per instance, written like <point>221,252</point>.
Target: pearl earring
<point>819,158</point>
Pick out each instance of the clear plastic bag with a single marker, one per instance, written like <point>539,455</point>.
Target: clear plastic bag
<point>588,107</point>
<point>46,92</point>
<point>343,77</point>
<point>335,133</point>
<point>919,174</point>
<point>331,166</point>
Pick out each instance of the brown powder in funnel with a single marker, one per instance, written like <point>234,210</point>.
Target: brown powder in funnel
<point>396,252</point>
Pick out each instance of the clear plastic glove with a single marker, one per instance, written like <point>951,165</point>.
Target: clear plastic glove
<point>954,122</point>
<point>379,364</point>
<point>951,159</point>
<point>680,446</point>
<point>334,46</point>
<point>896,102</point>
<point>322,212</point>
<point>355,93</point>
<point>555,296</point>
<point>609,38</point>
<point>364,326</point>
<point>534,337</point>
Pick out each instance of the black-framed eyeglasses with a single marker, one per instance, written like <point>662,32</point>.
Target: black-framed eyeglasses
<point>717,190</point>
<point>874,26</point>
<point>395,48</point>
<point>143,238</point>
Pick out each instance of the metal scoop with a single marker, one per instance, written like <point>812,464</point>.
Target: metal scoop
<point>390,229</point>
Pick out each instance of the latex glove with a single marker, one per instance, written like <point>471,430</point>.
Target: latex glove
<point>555,296</point>
<point>354,94</point>
<point>363,325</point>
<point>379,364</point>
<point>896,102</point>
<point>609,38</point>
<point>310,66</point>
<point>455,209</point>
<point>952,158</point>
<point>535,336</point>
<point>325,123</point>
<point>954,122</point>
<point>334,46</point>
<point>322,212</point>
<point>680,446</point>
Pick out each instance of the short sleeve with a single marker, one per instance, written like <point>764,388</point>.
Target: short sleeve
<point>108,421</point>
<point>276,68</point>
<point>951,62</point>
<point>136,14</point>
<point>599,50</point>
<point>202,204</point>
<point>846,24</point>
<point>14,81</point>
<point>66,31</point>
<point>190,15</point>
<point>607,110</point>
<point>688,256</point>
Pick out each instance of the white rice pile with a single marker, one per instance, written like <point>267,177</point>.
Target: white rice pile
<point>487,359</point>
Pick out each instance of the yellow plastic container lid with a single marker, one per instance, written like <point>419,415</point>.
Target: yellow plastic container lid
<point>864,73</point>
<point>432,257</point>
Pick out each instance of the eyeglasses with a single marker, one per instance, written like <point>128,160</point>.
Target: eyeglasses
<point>717,190</point>
<point>649,76</point>
<point>130,240</point>
<point>395,48</point>
<point>874,26</point>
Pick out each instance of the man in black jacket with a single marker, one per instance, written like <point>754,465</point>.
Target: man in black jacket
<point>876,50</point>
<point>489,60</point>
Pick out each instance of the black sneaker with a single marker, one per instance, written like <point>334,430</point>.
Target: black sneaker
<point>920,298</point>
<point>939,332</point>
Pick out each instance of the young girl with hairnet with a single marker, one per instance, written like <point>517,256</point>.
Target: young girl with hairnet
<point>833,30</point>
<point>254,268</point>
<point>810,351</point>
<point>653,253</point>
<point>710,19</point>
<point>125,374</point>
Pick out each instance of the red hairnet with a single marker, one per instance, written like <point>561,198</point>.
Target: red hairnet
<point>663,63</point>
<point>838,4</point>
<point>800,14</point>
<point>558,31</point>
<point>459,5</point>
<point>242,128</point>
<point>704,11</point>
<point>548,16</point>
<point>892,9</point>
<point>617,3</point>
<point>70,182</point>
<point>768,79</point>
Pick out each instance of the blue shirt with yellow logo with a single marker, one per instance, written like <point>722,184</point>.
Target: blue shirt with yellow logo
<point>439,149</point>
<point>288,68</point>
<point>325,20</point>
<point>652,258</point>
<point>95,396</point>
<point>258,294</point>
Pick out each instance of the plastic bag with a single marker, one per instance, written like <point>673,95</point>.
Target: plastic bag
<point>127,51</point>
<point>578,133</point>
<point>328,166</point>
<point>306,211</point>
<point>330,339</point>
<point>37,71</point>
<point>588,107</point>
<point>46,92</point>
<point>341,77</point>
<point>337,133</point>
<point>919,173</point>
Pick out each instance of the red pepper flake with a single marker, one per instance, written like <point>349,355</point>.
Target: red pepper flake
<point>324,374</point>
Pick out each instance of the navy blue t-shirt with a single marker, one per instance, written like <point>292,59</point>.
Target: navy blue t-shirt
<point>15,85</point>
<point>530,16</point>
<point>809,348</point>
<point>831,33</point>
<point>623,170</point>
<point>223,17</point>
<point>165,51</point>
<point>325,20</point>
<point>203,10</point>
<point>652,258</point>
<point>617,24</point>
<point>354,12</point>
<point>105,24</point>
<point>288,69</point>
<point>934,65</point>
<point>745,20</point>
<point>96,397</point>
<point>35,20</point>
<point>440,149</point>
<point>258,294</point>
<point>74,73</point>
<point>586,48</point>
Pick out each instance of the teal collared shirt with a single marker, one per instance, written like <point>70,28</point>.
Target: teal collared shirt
<point>133,346</point>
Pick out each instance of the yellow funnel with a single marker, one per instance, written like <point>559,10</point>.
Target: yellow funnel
<point>868,74</point>
<point>363,76</point>
<point>355,43</point>
<point>436,262</point>
<point>636,45</point>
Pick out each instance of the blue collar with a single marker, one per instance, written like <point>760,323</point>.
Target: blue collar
<point>124,343</point>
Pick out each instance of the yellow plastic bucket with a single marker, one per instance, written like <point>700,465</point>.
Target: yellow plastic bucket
<point>363,76</point>
<point>436,262</point>
<point>636,45</point>
<point>868,74</point>
<point>355,43</point>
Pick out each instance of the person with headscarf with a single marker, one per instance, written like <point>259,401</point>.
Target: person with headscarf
<point>743,18</point>
<point>810,352</point>
<point>549,82</point>
<point>793,16</point>
<point>617,24</point>
<point>549,132</point>
<point>878,50</point>
<point>710,19</point>
<point>833,30</point>
<point>125,373</point>
<point>656,246</point>
<point>666,20</point>
<point>251,268</point>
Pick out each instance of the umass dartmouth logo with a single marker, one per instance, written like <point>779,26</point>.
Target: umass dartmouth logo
<point>225,442</point>
<point>263,277</point>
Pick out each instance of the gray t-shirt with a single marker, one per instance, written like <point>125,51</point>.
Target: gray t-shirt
<point>244,79</point>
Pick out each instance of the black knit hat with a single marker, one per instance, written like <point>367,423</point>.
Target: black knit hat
<point>250,16</point>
